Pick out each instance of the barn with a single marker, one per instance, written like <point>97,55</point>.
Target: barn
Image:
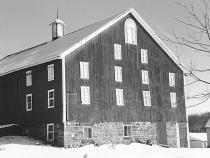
<point>113,81</point>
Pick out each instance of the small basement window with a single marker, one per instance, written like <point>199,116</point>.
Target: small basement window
<point>50,69</point>
<point>28,102</point>
<point>127,130</point>
<point>51,98</point>
<point>28,78</point>
<point>87,132</point>
<point>50,132</point>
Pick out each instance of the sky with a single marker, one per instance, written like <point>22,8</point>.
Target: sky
<point>25,23</point>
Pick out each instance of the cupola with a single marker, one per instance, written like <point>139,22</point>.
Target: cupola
<point>57,28</point>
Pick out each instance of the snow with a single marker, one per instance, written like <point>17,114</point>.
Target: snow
<point>24,147</point>
<point>200,136</point>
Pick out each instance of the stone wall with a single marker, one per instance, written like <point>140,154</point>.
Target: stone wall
<point>171,134</point>
<point>109,132</point>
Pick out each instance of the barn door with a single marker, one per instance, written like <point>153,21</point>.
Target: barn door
<point>161,133</point>
<point>72,108</point>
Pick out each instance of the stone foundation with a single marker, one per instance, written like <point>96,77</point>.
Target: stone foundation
<point>71,134</point>
<point>110,132</point>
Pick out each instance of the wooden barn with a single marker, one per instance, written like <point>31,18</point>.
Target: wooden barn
<point>113,81</point>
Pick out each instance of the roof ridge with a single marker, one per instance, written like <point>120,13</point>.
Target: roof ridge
<point>9,55</point>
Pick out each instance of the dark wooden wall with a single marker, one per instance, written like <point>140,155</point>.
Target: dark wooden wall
<point>13,92</point>
<point>99,52</point>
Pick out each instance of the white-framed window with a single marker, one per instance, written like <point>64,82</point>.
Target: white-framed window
<point>145,76</point>
<point>117,52</point>
<point>118,73</point>
<point>28,102</point>
<point>130,32</point>
<point>146,98</point>
<point>144,56</point>
<point>171,77</point>
<point>50,132</point>
<point>119,97</point>
<point>51,98</point>
<point>87,132</point>
<point>85,94</point>
<point>84,70</point>
<point>173,99</point>
<point>28,78</point>
<point>127,130</point>
<point>50,70</point>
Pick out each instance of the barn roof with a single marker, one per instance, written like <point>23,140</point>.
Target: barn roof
<point>198,136</point>
<point>63,46</point>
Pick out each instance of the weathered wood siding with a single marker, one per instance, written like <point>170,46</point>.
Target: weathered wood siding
<point>99,52</point>
<point>13,92</point>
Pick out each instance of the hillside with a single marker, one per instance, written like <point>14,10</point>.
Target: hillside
<point>197,122</point>
<point>23,147</point>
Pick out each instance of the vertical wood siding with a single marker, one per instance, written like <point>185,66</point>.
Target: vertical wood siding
<point>13,92</point>
<point>99,52</point>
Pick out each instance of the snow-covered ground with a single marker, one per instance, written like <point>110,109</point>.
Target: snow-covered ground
<point>23,147</point>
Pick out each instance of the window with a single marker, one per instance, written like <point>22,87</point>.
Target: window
<point>87,132</point>
<point>28,78</point>
<point>130,32</point>
<point>171,79</point>
<point>50,132</point>
<point>173,99</point>
<point>144,56</point>
<point>145,76</point>
<point>146,98</point>
<point>117,52</point>
<point>118,73</point>
<point>119,97</point>
<point>51,98</point>
<point>28,102</point>
<point>85,94</point>
<point>127,130</point>
<point>84,70</point>
<point>50,69</point>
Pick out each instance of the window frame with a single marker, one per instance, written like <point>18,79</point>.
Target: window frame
<point>50,72</point>
<point>147,101</point>
<point>144,56</point>
<point>130,31</point>
<point>49,99</point>
<point>145,76</point>
<point>117,52</point>
<point>48,132</point>
<point>127,129</point>
<point>85,95</point>
<point>27,103</point>
<point>173,99</point>
<point>118,73</point>
<point>89,127</point>
<point>172,81</point>
<point>28,78</point>
<point>119,93</point>
<point>84,70</point>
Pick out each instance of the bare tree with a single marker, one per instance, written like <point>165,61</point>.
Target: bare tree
<point>197,38</point>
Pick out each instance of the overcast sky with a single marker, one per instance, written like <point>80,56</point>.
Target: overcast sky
<point>25,23</point>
